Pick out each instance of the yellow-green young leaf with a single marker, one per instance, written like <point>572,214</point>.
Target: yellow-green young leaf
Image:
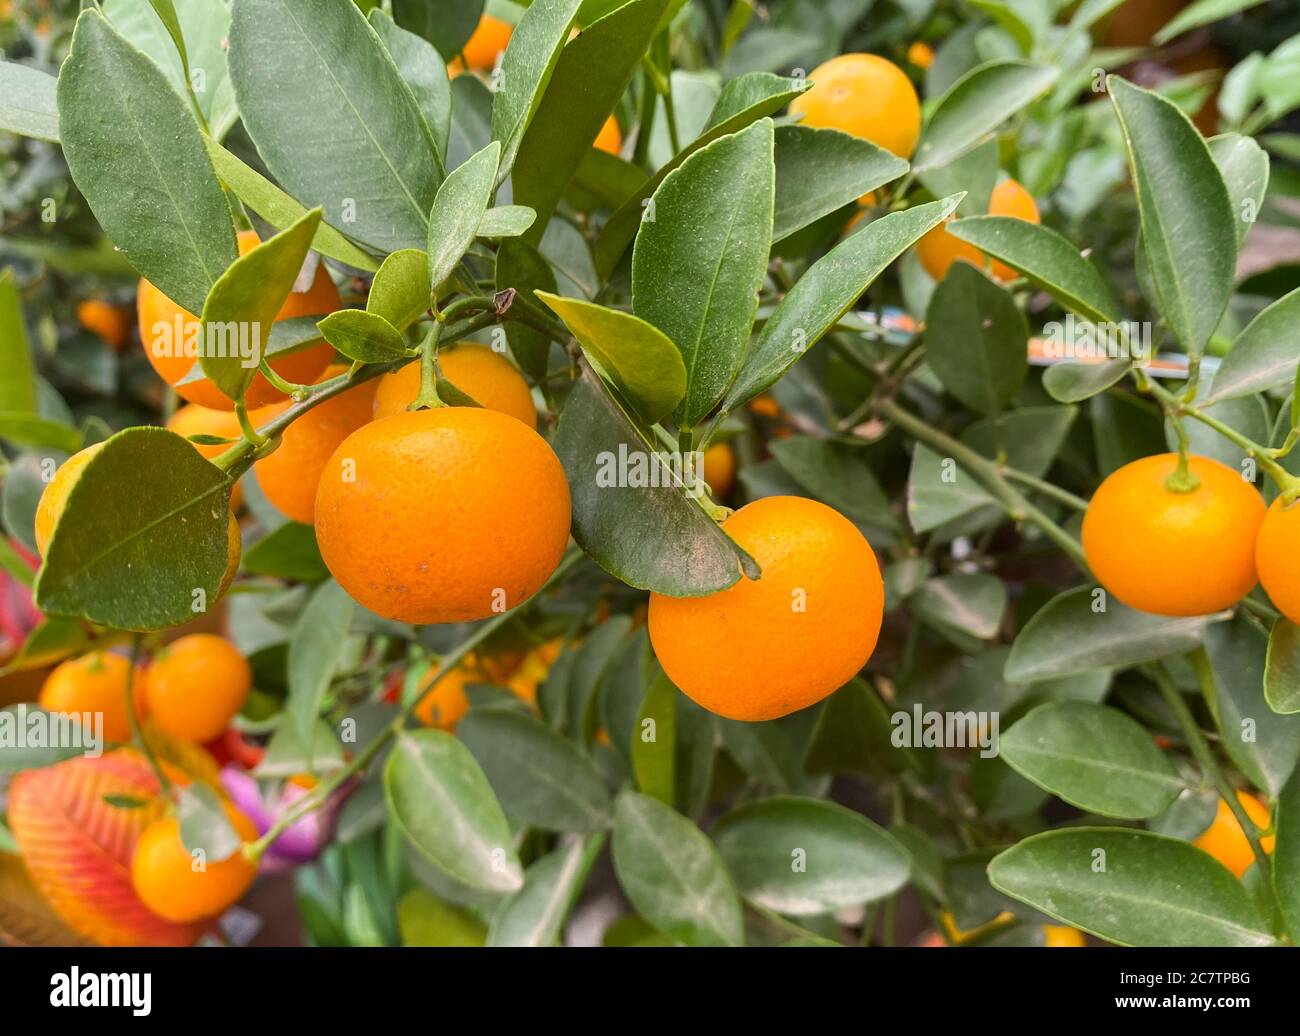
<point>654,741</point>
<point>458,209</point>
<point>400,291</point>
<point>448,24</point>
<point>1133,888</point>
<point>243,303</point>
<point>27,102</point>
<point>698,265</point>
<point>526,72</point>
<point>142,541</point>
<point>976,105</point>
<point>363,336</point>
<point>1282,670</point>
<point>641,529</point>
<point>136,153</point>
<point>1046,258</point>
<point>857,862</point>
<point>523,269</point>
<point>826,292</point>
<point>17,376</point>
<point>422,67</point>
<point>1186,214</point>
<point>425,920</point>
<point>673,875</point>
<point>536,914</point>
<point>444,805</point>
<point>332,118</point>
<point>634,356</point>
<point>506,221</point>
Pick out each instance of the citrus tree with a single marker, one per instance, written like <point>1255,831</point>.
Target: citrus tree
<point>817,470</point>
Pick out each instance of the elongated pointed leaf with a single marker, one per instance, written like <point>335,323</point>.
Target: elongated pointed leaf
<point>536,914</point>
<point>458,210</point>
<point>400,291</point>
<point>1282,670</point>
<point>28,103</point>
<point>315,651</point>
<point>506,221</point>
<point>1244,166</point>
<point>422,67</point>
<point>1264,355</point>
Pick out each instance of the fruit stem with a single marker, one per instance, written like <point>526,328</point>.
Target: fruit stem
<point>137,734</point>
<point>428,397</point>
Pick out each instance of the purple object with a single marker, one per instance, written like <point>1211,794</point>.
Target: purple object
<point>302,842</point>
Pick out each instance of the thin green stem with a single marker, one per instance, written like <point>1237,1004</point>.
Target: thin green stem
<point>137,734</point>
<point>298,392</point>
<point>251,434</point>
<point>428,397</point>
<point>1058,494</point>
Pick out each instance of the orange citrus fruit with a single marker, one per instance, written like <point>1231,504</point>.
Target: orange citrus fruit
<point>536,664</point>
<point>95,683</point>
<point>192,419</point>
<point>920,54</point>
<point>938,249</point>
<point>1276,558</point>
<point>720,469</point>
<point>482,373</point>
<point>111,323</point>
<point>768,647</point>
<point>448,702</point>
<point>1057,935</point>
<point>163,322</point>
<point>490,37</point>
<point>442,515</point>
<point>196,685</point>
<point>290,474</point>
<point>609,138</point>
<point>1225,840</point>
<point>181,886</point>
<point>866,96</point>
<point>1174,553</point>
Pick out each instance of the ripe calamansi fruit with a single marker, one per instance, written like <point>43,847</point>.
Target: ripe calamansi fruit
<point>482,373</point>
<point>448,702</point>
<point>1058,935</point>
<point>866,96</point>
<point>720,469</point>
<point>1225,840</point>
<point>443,515</point>
<point>290,474</point>
<point>921,54</point>
<point>196,686</point>
<point>609,138</point>
<point>1174,553</point>
<point>938,249</point>
<point>481,50</point>
<point>1276,558</point>
<point>111,323</point>
<point>95,683</point>
<point>192,419</point>
<point>768,647</point>
<point>181,886</point>
<point>165,328</point>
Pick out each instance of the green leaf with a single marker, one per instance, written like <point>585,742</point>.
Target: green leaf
<point>819,171</point>
<point>278,209</point>
<point>522,268</point>
<point>288,552</point>
<point>802,857</point>
<point>316,650</point>
<point>51,641</point>
<point>67,738</point>
<point>422,67</point>
<point>1093,757</point>
<point>400,291</point>
<point>425,920</point>
<point>1073,382</point>
<point>1282,669</point>
<point>204,826</point>
<point>969,603</point>
<point>506,221</point>
<point>540,778</point>
<point>29,106</point>
<point>976,339</point>
<point>653,538</point>
<point>1050,261</point>
<point>363,336</point>
<point>839,476</point>
<point>826,292</point>
<point>145,502</point>
<point>1202,12</point>
<point>365,154</point>
<point>28,429</point>
<point>447,24</point>
<point>526,72</point>
<point>976,105</point>
<point>535,915</point>
<point>1286,856</point>
<point>1264,355</point>
<point>1067,636</point>
<point>244,302</point>
<point>654,741</point>
<point>673,875</point>
<point>699,262</point>
<point>444,805</point>
<point>457,211</point>
<point>1244,167</point>
<point>1186,214</point>
<point>852,735</point>
<point>1154,891</point>
<point>117,114</point>
<point>939,490</point>
<point>592,74</point>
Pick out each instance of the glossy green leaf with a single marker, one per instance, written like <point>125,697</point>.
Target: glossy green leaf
<point>458,210</point>
<point>447,24</point>
<point>365,154</point>
<point>535,915</point>
<point>288,552</point>
<point>422,67</point>
<point>1244,167</point>
<point>400,291</point>
<point>673,875</point>
<point>1264,355</point>
<point>1282,670</point>
<point>29,106</point>
<point>826,292</point>
<point>444,805</point>
<point>506,221</point>
<point>1186,214</point>
<point>1094,757</point>
<point>970,603</point>
<point>117,113</point>
<point>363,336</point>
<point>1083,629</point>
<point>801,856</point>
<point>316,649</point>
<point>145,502</point>
<point>1154,891</point>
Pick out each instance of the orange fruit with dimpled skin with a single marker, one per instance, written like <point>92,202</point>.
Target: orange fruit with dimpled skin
<point>482,373</point>
<point>764,648</point>
<point>1173,553</point>
<point>443,515</point>
<point>192,419</point>
<point>111,323</point>
<point>866,96</point>
<point>196,685</point>
<point>490,37</point>
<point>609,138</point>
<point>156,311</point>
<point>290,474</point>
<point>938,249</point>
<point>1277,558</point>
<point>95,682</point>
<point>1226,842</point>
<point>165,876</point>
